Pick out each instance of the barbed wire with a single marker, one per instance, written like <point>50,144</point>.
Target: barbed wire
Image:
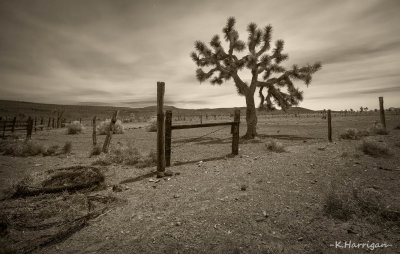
<point>192,140</point>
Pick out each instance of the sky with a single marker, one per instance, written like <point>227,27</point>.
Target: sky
<point>113,52</point>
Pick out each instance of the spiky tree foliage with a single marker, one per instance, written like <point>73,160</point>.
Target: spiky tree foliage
<point>267,74</point>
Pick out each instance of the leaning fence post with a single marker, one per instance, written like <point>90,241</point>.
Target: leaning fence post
<point>29,127</point>
<point>110,130</point>
<point>329,126</point>
<point>382,112</point>
<point>13,124</point>
<point>160,130</point>
<point>94,132</point>
<point>235,133</point>
<point>4,128</point>
<point>168,136</point>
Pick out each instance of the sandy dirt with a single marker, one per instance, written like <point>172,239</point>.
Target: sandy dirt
<point>256,202</point>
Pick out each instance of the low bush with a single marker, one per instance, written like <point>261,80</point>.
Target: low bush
<point>67,148</point>
<point>102,128</point>
<point>373,148</point>
<point>22,148</point>
<point>345,202</point>
<point>352,133</point>
<point>275,146</point>
<point>96,150</point>
<point>152,126</point>
<point>52,150</point>
<point>378,129</point>
<point>75,128</point>
<point>128,155</point>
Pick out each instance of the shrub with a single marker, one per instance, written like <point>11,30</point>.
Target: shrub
<point>75,128</point>
<point>52,150</point>
<point>352,133</point>
<point>96,150</point>
<point>378,129</point>
<point>344,202</point>
<point>338,205</point>
<point>103,127</point>
<point>275,146</point>
<point>67,148</point>
<point>152,127</point>
<point>23,148</point>
<point>373,148</point>
<point>128,155</point>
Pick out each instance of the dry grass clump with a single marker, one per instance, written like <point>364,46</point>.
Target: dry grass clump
<point>75,128</point>
<point>96,150</point>
<point>373,148</point>
<point>25,148</point>
<point>152,127</point>
<point>102,128</point>
<point>275,146</point>
<point>347,202</point>
<point>353,133</point>
<point>22,148</point>
<point>128,155</point>
<point>378,129</point>
<point>67,148</point>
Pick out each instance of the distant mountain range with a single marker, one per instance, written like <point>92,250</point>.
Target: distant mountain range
<point>24,109</point>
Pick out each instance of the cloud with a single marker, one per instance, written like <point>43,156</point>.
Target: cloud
<point>116,51</point>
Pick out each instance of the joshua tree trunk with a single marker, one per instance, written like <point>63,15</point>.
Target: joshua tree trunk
<point>251,116</point>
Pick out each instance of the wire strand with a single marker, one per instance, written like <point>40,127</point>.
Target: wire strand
<point>201,136</point>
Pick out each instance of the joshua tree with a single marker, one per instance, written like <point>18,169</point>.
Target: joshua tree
<point>266,72</point>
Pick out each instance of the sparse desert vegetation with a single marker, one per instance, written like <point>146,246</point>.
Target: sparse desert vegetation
<point>152,125</point>
<point>104,126</point>
<point>274,146</point>
<point>374,148</point>
<point>206,188</point>
<point>75,128</point>
<point>127,154</point>
<point>353,133</point>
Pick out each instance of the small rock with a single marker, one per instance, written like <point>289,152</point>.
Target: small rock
<point>176,196</point>
<point>151,180</point>
<point>168,173</point>
<point>177,173</point>
<point>116,188</point>
<point>300,239</point>
<point>350,231</point>
<point>178,223</point>
<point>265,214</point>
<point>243,187</point>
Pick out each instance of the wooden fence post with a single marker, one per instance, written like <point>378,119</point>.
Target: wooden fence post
<point>13,124</point>
<point>48,124</point>
<point>35,123</point>
<point>235,134</point>
<point>168,137</point>
<point>201,119</point>
<point>110,130</point>
<point>160,130</point>
<point>53,125</point>
<point>4,128</point>
<point>94,132</point>
<point>29,128</point>
<point>382,112</point>
<point>329,126</point>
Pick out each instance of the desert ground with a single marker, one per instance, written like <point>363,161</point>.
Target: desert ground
<point>301,200</point>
